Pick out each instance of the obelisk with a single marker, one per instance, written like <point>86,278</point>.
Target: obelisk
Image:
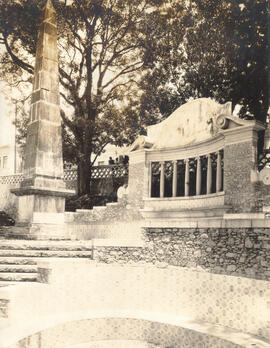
<point>42,192</point>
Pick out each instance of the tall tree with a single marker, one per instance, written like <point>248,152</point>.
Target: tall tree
<point>104,51</point>
<point>222,54</point>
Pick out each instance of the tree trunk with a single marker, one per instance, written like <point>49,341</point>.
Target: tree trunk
<point>84,175</point>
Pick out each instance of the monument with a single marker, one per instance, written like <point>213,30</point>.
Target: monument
<point>42,192</point>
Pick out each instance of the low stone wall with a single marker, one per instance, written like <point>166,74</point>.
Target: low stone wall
<point>232,251</point>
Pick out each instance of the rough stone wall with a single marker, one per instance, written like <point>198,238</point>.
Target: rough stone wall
<point>240,192</point>
<point>242,252</point>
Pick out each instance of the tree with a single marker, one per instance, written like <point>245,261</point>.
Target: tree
<point>104,51</point>
<point>222,54</point>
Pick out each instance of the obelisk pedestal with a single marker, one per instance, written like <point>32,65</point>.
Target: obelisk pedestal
<point>42,192</point>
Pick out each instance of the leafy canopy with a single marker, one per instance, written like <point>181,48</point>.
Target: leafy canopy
<point>217,49</point>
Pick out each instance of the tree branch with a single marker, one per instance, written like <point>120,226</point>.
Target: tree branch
<point>27,67</point>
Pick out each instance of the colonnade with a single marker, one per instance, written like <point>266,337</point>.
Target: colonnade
<point>218,180</point>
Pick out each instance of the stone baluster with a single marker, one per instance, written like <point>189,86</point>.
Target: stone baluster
<point>219,171</point>
<point>150,180</point>
<point>187,178</point>
<point>209,174</point>
<point>162,177</point>
<point>174,184</point>
<point>198,177</point>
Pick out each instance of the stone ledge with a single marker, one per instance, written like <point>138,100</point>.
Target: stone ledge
<point>236,222</point>
<point>44,191</point>
<point>183,198</point>
<point>130,243</point>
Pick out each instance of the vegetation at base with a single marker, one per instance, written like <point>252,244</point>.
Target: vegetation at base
<point>88,201</point>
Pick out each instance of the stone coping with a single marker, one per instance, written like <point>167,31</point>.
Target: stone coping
<point>33,190</point>
<point>130,243</point>
<point>233,221</point>
<point>185,198</point>
<point>12,334</point>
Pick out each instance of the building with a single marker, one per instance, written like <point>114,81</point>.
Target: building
<point>8,164</point>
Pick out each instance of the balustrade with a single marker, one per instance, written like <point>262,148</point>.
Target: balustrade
<point>189,177</point>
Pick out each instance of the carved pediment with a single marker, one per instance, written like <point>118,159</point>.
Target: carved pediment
<point>229,122</point>
<point>194,122</point>
<point>191,123</point>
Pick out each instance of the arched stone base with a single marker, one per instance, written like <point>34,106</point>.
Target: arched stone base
<point>84,333</point>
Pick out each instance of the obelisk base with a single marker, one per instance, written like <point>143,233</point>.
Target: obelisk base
<point>41,212</point>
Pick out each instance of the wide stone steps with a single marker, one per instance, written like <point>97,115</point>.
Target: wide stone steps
<point>18,277</point>
<point>18,258</point>
<point>45,245</point>
<point>45,253</point>
<point>10,260</point>
<point>11,268</point>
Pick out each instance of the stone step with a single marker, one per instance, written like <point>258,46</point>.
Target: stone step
<point>44,253</point>
<point>8,283</point>
<point>46,245</point>
<point>7,268</point>
<point>18,277</point>
<point>10,260</point>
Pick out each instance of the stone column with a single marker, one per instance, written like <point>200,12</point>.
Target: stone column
<point>218,173</point>
<point>209,174</point>
<point>174,184</point>
<point>139,182</point>
<point>42,192</point>
<point>162,179</point>
<point>187,177</point>
<point>240,166</point>
<point>150,180</point>
<point>198,177</point>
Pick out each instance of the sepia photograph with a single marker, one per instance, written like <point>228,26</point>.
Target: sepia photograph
<point>134,174</point>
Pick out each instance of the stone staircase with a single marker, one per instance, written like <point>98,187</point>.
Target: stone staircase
<point>18,258</point>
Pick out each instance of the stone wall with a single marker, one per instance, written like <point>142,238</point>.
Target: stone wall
<point>232,251</point>
<point>241,193</point>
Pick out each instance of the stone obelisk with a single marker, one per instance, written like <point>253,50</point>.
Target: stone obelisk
<point>42,192</point>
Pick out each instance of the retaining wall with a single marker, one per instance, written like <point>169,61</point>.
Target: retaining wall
<point>232,251</point>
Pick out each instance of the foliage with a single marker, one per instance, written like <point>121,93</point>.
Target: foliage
<point>223,53</point>
<point>126,64</point>
<point>104,50</point>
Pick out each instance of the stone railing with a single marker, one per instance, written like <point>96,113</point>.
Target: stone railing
<point>11,179</point>
<point>98,172</point>
<point>108,171</point>
<point>187,177</point>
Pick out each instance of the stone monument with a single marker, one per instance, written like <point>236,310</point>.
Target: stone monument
<point>42,192</point>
